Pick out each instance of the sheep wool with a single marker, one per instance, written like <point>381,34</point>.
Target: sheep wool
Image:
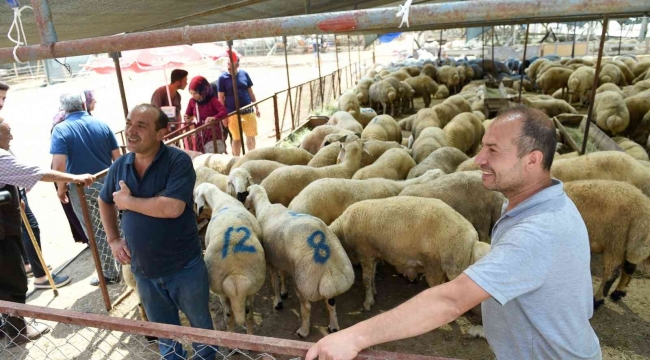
<point>394,164</point>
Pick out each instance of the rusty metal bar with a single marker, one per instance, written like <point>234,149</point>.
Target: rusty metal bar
<point>255,343</point>
<point>233,75</point>
<point>373,52</point>
<point>620,38</point>
<point>338,68</point>
<point>320,77</point>
<point>494,66</point>
<point>593,93</point>
<point>120,82</point>
<point>277,117</point>
<point>429,16</point>
<point>440,46</point>
<point>93,245</point>
<point>286,63</point>
<point>350,63</point>
<point>573,47</point>
<point>359,59</point>
<point>44,23</point>
<point>521,68</point>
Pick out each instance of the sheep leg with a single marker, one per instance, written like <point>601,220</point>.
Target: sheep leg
<point>305,314</point>
<point>227,313</point>
<point>384,105</point>
<point>367,267</point>
<point>624,282</point>
<point>374,279</point>
<point>250,321</point>
<point>283,285</point>
<point>277,299</point>
<point>612,269</point>
<point>392,109</point>
<point>435,275</point>
<point>334,322</point>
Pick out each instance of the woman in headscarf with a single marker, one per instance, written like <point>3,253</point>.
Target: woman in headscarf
<point>204,107</point>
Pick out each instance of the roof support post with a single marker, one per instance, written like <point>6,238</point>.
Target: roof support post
<point>593,93</point>
<point>44,21</point>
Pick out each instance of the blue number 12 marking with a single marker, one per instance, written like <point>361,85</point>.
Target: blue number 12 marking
<point>239,247</point>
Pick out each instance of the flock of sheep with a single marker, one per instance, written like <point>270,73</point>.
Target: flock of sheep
<point>347,194</point>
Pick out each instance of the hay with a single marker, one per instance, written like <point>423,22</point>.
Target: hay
<point>295,138</point>
<point>577,136</point>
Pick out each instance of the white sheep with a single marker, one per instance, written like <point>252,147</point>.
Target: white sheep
<point>303,247</point>
<point>205,174</point>
<point>464,132</point>
<point>394,164</point>
<point>218,162</point>
<point>445,158</point>
<point>260,169</point>
<point>350,103</point>
<point>313,141</point>
<point>413,234</point>
<point>287,156</point>
<point>610,112</point>
<point>383,128</point>
<point>234,255</point>
<point>345,120</point>
<point>429,140</point>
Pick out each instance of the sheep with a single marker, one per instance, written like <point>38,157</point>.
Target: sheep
<point>610,87</point>
<point>442,93</point>
<point>640,87</point>
<point>534,67</point>
<point>327,199</point>
<point>345,120</point>
<point>527,85</point>
<point>631,148</point>
<point>581,83</point>
<point>283,184</point>
<point>383,92</point>
<point>629,61</point>
<point>411,70</point>
<point>551,108</point>
<point>350,103</point>
<point>400,75</point>
<point>394,164</point>
<point>234,255</point>
<point>610,73</point>
<point>462,74</point>
<point>366,115</point>
<point>554,79</point>
<point>480,115</point>
<point>407,97</point>
<point>460,102</point>
<point>639,106</point>
<point>383,128</point>
<point>468,165</point>
<point>626,73</point>
<point>305,248</point>
<point>287,156</point>
<point>260,169</point>
<point>424,87</point>
<point>373,149</point>
<point>397,85</point>
<point>438,240</point>
<point>641,67</point>
<point>603,165</point>
<point>218,162</point>
<point>238,181</point>
<point>610,112</point>
<point>439,115</point>
<point>464,132</point>
<point>448,75</point>
<point>445,159</point>
<point>406,124</point>
<point>362,90</point>
<point>205,174</point>
<point>617,218</point>
<point>465,193</point>
<point>429,140</point>
<point>313,141</point>
<point>429,70</point>
<point>384,73</point>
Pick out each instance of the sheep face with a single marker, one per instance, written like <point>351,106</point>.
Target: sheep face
<point>199,197</point>
<point>238,182</point>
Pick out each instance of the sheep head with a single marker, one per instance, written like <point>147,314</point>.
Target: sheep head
<point>256,195</point>
<point>349,144</point>
<point>200,196</point>
<point>238,182</point>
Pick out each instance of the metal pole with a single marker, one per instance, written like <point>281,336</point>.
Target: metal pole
<point>494,67</point>
<point>277,117</point>
<point>286,63</point>
<point>434,15</point>
<point>483,50</point>
<point>320,78</point>
<point>338,68</point>
<point>373,52</point>
<point>440,46</point>
<point>573,48</point>
<point>350,64</point>
<point>120,82</point>
<point>236,94</point>
<point>593,93</point>
<point>644,28</point>
<point>44,23</point>
<point>521,68</point>
<point>359,56</point>
<point>619,39</point>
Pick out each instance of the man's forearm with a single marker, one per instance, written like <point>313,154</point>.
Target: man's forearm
<point>58,166</point>
<point>108,214</point>
<point>158,207</point>
<point>59,177</point>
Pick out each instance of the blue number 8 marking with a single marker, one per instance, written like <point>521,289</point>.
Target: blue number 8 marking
<point>321,250</point>
<point>239,247</point>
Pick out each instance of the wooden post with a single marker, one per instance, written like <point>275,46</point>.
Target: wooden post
<point>593,93</point>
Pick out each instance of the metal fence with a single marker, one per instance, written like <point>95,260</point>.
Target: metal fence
<point>66,334</point>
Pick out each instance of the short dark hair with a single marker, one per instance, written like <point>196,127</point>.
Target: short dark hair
<point>537,133</point>
<point>178,75</point>
<point>3,86</point>
<point>161,118</point>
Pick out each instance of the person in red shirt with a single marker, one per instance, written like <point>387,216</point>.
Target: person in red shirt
<point>204,107</point>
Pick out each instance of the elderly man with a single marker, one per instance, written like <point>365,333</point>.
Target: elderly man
<point>523,281</point>
<point>153,184</point>
<point>83,144</point>
<point>13,280</point>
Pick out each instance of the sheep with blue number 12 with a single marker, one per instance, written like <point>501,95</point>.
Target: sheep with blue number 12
<point>303,247</point>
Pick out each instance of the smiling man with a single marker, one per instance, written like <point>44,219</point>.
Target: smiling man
<point>534,285</point>
<point>153,186</point>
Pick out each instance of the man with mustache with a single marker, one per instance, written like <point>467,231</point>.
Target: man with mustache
<point>534,286</point>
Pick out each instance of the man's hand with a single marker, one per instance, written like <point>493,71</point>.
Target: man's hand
<point>22,205</point>
<point>224,122</point>
<point>86,179</point>
<point>337,346</point>
<point>61,194</point>
<point>257,111</point>
<point>121,197</point>
<point>120,251</point>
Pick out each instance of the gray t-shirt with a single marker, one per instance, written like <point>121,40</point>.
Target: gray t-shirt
<point>539,278</point>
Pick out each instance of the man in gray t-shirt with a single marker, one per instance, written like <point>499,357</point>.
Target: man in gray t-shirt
<point>534,284</point>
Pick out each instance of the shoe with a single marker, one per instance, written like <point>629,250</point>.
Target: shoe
<point>30,273</point>
<point>59,282</point>
<point>109,281</point>
<point>32,333</point>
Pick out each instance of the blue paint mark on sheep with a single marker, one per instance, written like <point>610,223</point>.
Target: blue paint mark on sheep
<point>321,250</point>
<point>296,214</point>
<point>240,246</point>
<point>222,209</point>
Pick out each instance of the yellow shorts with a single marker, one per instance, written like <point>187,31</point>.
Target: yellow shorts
<point>248,122</point>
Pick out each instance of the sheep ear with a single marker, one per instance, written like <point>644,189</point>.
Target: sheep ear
<point>358,135</point>
<point>250,180</point>
<point>343,138</point>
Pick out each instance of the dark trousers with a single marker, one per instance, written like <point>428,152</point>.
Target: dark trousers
<point>13,281</point>
<point>29,252</point>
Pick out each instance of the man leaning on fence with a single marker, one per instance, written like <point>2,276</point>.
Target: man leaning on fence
<point>13,279</point>
<point>83,144</point>
<point>153,185</point>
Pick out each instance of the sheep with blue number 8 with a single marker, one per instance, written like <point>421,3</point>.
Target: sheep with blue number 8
<point>303,247</point>
<point>234,255</point>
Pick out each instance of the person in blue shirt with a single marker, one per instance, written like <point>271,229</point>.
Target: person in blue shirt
<point>82,144</point>
<point>153,187</point>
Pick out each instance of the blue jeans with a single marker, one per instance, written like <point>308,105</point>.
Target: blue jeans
<point>188,291</point>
